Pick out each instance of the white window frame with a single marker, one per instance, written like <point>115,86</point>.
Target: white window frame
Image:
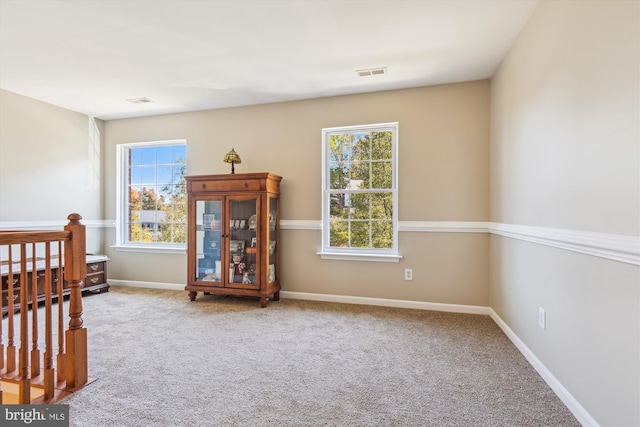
<point>358,254</point>
<point>121,204</point>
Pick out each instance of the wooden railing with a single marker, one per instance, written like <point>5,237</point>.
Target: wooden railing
<point>63,254</point>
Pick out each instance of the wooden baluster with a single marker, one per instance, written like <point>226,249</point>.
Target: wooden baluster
<point>35,351</point>
<point>61,358</point>
<point>11,348</point>
<point>48,347</point>
<point>75,271</point>
<point>24,382</point>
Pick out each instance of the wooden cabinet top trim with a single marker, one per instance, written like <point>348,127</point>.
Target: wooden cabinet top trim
<point>261,181</point>
<point>235,176</point>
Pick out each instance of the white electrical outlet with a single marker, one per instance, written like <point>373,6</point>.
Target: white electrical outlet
<point>542,318</point>
<point>408,274</point>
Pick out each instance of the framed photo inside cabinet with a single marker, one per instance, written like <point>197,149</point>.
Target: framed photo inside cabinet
<point>236,246</point>
<point>253,220</point>
<point>208,220</point>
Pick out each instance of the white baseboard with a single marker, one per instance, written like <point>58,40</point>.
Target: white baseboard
<point>150,285</point>
<point>419,305</point>
<point>570,402</point>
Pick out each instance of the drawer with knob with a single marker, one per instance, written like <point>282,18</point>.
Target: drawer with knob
<point>95,281</point>
<point>5,298</point>
<point>96,276</point>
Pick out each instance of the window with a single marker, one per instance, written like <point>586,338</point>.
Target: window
<point>359,207</point>
<point>152,197</point>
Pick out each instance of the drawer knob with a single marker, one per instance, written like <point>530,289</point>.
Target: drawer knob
<point>93,267</point>
<point>95,280</point>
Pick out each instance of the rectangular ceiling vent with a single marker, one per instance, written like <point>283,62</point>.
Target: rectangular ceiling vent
<point>372,72</point>
<point>142,100</point>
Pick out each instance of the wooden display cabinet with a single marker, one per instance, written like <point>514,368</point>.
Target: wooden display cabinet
<point>234,235</point>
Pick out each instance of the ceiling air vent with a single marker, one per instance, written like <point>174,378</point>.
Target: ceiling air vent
<point>372,72</point>
<point>142,100</point>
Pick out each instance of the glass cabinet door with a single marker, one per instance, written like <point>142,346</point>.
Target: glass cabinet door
<point>243,242</point>
<point>208,240</point>
<point>272,234</point>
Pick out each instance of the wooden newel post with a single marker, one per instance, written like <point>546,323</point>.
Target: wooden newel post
<point>75,271</point>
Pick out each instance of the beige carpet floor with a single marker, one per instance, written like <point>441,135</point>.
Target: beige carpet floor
<point>162,360</point>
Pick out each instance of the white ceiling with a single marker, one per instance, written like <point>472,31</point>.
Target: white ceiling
<point>187,55</point>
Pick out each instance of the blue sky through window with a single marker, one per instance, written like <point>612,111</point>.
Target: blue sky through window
<point>159,166</point>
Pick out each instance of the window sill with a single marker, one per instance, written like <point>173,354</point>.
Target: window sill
<point>150,249</point>
<point>344,256</point>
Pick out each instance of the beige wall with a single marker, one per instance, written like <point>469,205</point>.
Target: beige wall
<point>565,154</point>
<point>49,165</point>
<point>443,176</point>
